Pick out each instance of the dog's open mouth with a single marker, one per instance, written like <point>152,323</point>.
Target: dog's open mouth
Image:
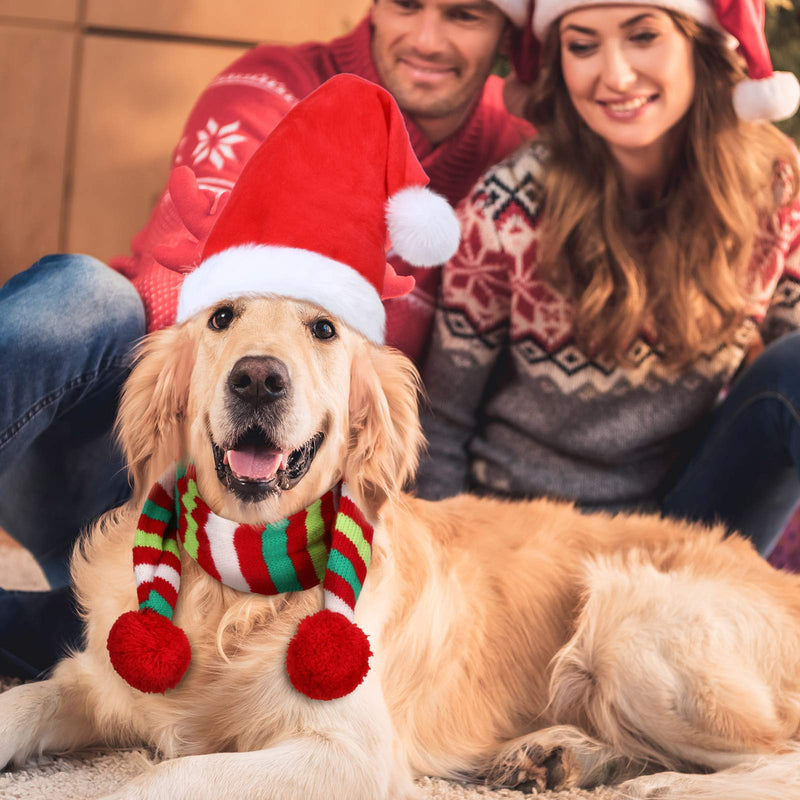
<point>253,466</point>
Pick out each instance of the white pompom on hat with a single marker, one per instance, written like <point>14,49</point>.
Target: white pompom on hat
<point>316,207</point>
<point>764,95</point>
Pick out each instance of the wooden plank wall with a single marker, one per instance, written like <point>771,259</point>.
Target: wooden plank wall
<point>95,93</point>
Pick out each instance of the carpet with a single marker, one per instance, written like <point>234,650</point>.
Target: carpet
<point>89,775</point>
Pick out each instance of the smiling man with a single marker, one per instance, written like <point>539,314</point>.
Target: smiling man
<point>59,468</point>
<point>435,57</point>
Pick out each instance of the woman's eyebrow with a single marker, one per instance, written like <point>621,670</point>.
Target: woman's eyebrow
<point>634,20</point>
<point>591,31</point>
<point>579,29</point>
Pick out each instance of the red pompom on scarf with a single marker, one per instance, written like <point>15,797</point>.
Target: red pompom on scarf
<point>328,656</point>
<point>148,651</point>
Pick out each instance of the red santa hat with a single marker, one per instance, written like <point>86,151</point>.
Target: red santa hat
<point>311,211</point>
<point>764,95</point>
<point>515,10</point>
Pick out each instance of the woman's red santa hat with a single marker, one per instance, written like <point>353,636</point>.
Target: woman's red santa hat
<point>764,95</point>
<point>310,213</point>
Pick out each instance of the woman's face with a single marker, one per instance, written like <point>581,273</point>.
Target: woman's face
<point>630,74</point>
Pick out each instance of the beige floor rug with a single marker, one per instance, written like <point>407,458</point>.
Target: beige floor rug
<point>93,774</point>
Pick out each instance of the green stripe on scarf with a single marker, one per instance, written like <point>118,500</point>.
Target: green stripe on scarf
<point>274,546</point>
<point>190,542</point>
<point>315,538</point>
<point>154,540</point>
<point>353,532</point>
<point>343,567</point>
<point>157,603</point>
<point>171,546</point>
<point>154,511</point>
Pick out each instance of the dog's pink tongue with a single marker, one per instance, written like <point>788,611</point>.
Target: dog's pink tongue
<point>255,463</point>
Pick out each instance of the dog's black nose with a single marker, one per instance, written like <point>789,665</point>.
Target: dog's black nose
<point>259,379</point>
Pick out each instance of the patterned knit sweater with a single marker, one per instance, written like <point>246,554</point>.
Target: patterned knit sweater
<point>233,117</point>
<point>516,408</point>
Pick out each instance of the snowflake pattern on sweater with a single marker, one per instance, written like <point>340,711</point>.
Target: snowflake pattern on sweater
<point>215,143</point>
<point>519,409</point>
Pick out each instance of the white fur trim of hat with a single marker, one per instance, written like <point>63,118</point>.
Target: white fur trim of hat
<point>546,12</point>
<point>257,269</point>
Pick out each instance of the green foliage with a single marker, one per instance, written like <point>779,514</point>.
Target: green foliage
<point>783,36</point>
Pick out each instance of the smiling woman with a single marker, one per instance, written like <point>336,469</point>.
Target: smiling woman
<point>617,277</point>
<point>630,76</point>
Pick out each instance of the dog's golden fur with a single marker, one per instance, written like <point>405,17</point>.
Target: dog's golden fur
<point>518,643</point>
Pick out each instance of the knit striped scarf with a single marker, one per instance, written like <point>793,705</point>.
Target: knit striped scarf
<point>330,542</point>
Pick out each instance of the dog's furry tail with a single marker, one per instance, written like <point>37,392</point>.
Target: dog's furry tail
<point>772,777</point>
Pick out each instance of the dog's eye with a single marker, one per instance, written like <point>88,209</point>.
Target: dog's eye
<point>221,318</point>
<point>323,329</point>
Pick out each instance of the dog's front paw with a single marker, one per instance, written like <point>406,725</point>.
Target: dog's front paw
<point>17,739</point>
<point>41,717</point>
<point>529,768</point>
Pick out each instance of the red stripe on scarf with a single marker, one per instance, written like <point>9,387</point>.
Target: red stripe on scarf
<point>171,560</point>
<point>328,512</point>
<point>153,557</point>
<point>150,525</point>
<point>340,587</point>
<point>146,555</point>
<point>143,591</point>
<point>297,550</point>
<point>251,560</point>
<point>204,559</point>
<point>166,590</point>
<point>161,497</point>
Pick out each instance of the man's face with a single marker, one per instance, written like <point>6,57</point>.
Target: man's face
<point>435,55</point>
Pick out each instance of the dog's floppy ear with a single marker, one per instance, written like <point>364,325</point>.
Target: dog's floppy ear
<point>385,432</point>
<point>153,403</point>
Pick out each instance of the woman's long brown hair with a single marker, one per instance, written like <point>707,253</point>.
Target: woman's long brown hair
<point>683,277</point>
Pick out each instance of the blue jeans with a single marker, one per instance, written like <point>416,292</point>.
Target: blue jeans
<point>67,326</point>
<point>743,463</point>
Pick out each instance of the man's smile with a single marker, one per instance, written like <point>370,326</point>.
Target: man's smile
<point>425,70</point>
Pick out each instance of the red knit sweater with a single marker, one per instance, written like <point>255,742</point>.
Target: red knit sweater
<point>231,119</point>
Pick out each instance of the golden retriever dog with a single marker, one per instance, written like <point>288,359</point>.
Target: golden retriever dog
<point>521,644</point>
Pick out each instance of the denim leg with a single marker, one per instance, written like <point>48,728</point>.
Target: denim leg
<point>745,465</point>
<point>53,615</point>
<point>67,326</point>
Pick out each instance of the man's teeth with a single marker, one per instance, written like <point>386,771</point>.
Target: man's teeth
<point>628,105</point>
